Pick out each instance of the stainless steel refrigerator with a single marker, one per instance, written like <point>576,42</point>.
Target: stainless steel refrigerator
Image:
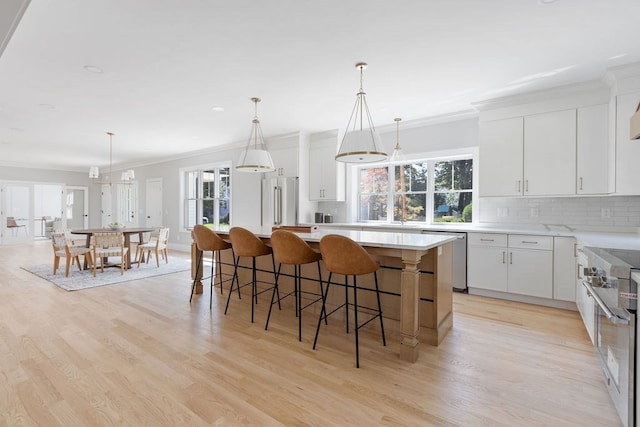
<point>279,201</point>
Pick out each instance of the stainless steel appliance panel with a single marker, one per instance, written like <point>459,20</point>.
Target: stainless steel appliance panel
<point>459,258</point>
<point>279,201</point>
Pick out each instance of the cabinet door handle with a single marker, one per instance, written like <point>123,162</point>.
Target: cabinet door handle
<point>510,257</point>
<point>580,183</point>
<point>503,256</point>
<point>526,185</point>
<point>518,185</point>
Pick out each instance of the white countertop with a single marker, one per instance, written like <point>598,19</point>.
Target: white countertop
<point>378,239</point>
<point>598,238</point>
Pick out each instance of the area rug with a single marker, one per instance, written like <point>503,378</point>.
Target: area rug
<point>78,280</point>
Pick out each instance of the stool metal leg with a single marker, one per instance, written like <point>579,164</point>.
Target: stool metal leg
<point>355,316</point>
<point>375,277</point>
<point>273,296</point>
<point>323,312</point>
<point>195,279</point>
<point>346,301</point>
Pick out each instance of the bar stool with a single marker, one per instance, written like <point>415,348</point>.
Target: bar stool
<point>207,240</point>
<point>290,249</point>
<point>342,255</point>
<point>247,244</point>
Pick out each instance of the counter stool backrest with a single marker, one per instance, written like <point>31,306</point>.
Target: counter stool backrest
<point>291,249</point>
<point>341,255</point>
<point>208,240</point>
<point>247,244</point>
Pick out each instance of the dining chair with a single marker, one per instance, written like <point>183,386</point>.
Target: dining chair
<point>63,248</point>
<point>157,243</point>
<point>107,244</point>
<point>14,226</point>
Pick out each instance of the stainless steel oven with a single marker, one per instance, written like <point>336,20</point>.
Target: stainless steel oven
<point>608,279</point>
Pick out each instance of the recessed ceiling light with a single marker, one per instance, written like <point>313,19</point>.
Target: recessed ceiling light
<point>46,106</point>
<point>546,1</point>
<point>93,69</point>
<point>217,108</point>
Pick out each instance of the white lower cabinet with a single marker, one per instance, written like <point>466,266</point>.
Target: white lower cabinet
<point>519,264</point>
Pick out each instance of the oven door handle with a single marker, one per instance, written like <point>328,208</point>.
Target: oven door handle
<point>611,317</point>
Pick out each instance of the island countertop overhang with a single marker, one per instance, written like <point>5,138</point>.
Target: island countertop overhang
<point>380,239</point>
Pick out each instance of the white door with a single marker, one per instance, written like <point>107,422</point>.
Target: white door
<point>17,213</point>
<point>107,208</point>
<point>77,207</point>
<point>154,202</point>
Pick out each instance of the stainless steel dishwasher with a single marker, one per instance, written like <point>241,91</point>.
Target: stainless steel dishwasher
<point>459,258</point>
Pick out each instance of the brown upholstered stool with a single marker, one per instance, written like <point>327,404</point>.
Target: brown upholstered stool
<point>247,244</point>
<point>290,249</point>
<point>342,255</point>
<point>207,240</point>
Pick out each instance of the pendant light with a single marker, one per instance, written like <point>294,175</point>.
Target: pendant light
<point>94,171</point>
<point>361,144</point>
<point>256,157</point>
<point>396,156</point>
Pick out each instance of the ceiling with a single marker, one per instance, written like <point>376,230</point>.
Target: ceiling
<point>166,63</point>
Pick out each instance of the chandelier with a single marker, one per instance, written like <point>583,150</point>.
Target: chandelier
<point>256,157</point>
<point>361,144</point>
<point>94,172</point>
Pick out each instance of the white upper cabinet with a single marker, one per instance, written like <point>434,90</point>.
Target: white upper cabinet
<point>627,150</point>
<point>326,176</point>
<point>501,150</point>
<point>558,153</point>
<point>285,160</point>
<point>550,153</point>
<point>593,159</point>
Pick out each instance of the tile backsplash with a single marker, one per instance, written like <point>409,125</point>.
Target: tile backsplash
<point>613,212</point>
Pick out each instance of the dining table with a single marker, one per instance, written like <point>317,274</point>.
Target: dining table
<point>126,232</point>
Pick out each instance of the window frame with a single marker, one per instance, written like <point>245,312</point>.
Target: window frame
<point>431,159</point>
<point>200,198</point>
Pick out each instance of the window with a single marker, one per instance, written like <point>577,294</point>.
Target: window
<point>421,191</point>
<point>207,196</point>
<point>453,181</point>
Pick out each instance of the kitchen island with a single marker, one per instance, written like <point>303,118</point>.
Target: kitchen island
<point>415,276</point>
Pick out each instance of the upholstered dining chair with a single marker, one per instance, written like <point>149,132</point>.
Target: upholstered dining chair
<point>14,226</point>
<point>62,247</point>
<point>107,244</point>
<point>158,244</point>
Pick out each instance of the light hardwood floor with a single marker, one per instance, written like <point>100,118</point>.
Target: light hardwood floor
<point>138,353</point>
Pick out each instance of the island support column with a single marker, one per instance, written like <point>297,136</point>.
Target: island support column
<point>409,305</point>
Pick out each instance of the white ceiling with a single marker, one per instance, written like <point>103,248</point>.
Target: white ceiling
<point>166,63</point>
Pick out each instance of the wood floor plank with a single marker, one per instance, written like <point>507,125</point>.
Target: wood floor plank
<point>138,353</point>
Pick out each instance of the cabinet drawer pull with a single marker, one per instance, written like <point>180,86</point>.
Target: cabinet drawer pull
<point>529,242</point>
<point>487,240</point>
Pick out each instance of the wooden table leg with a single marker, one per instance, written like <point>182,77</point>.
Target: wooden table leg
<point>127,244</point>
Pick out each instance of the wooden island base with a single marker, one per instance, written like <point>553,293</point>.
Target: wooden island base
<point>416,285</point>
